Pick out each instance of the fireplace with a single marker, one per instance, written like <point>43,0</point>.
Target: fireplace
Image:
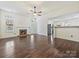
<point>23,32</point>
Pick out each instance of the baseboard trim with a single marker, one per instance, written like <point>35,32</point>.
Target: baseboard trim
<point>42,34</point>
<point>37,34</point>
<point>66,39</point>
<point>9,37</point>
<point>19,36</point>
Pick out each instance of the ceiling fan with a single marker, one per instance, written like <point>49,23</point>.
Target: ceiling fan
<point>35,12</point>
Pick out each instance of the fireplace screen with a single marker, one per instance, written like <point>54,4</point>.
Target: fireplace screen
<point>23,32</point>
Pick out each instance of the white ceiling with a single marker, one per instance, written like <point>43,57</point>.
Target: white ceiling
<point>49,8</point>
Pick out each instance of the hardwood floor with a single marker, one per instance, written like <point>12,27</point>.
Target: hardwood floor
<point>32,46</point>
<point>64,45</point>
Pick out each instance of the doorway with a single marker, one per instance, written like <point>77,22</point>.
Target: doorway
<point>50,33</point>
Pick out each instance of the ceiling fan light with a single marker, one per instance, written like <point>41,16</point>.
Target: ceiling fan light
<point>34,14</point>
<point>40,12</point>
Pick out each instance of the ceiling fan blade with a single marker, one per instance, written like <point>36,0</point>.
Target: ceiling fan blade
<point>40,12</point>
<point>34,11</point>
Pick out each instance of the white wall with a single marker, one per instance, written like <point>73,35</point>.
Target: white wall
<point>20,22</point>
<point>31,24</point>
<point>0,23</point>
<point>25,22</point>
<point>4,32</point>
<point>65,32</point>
<point>42,25</point>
